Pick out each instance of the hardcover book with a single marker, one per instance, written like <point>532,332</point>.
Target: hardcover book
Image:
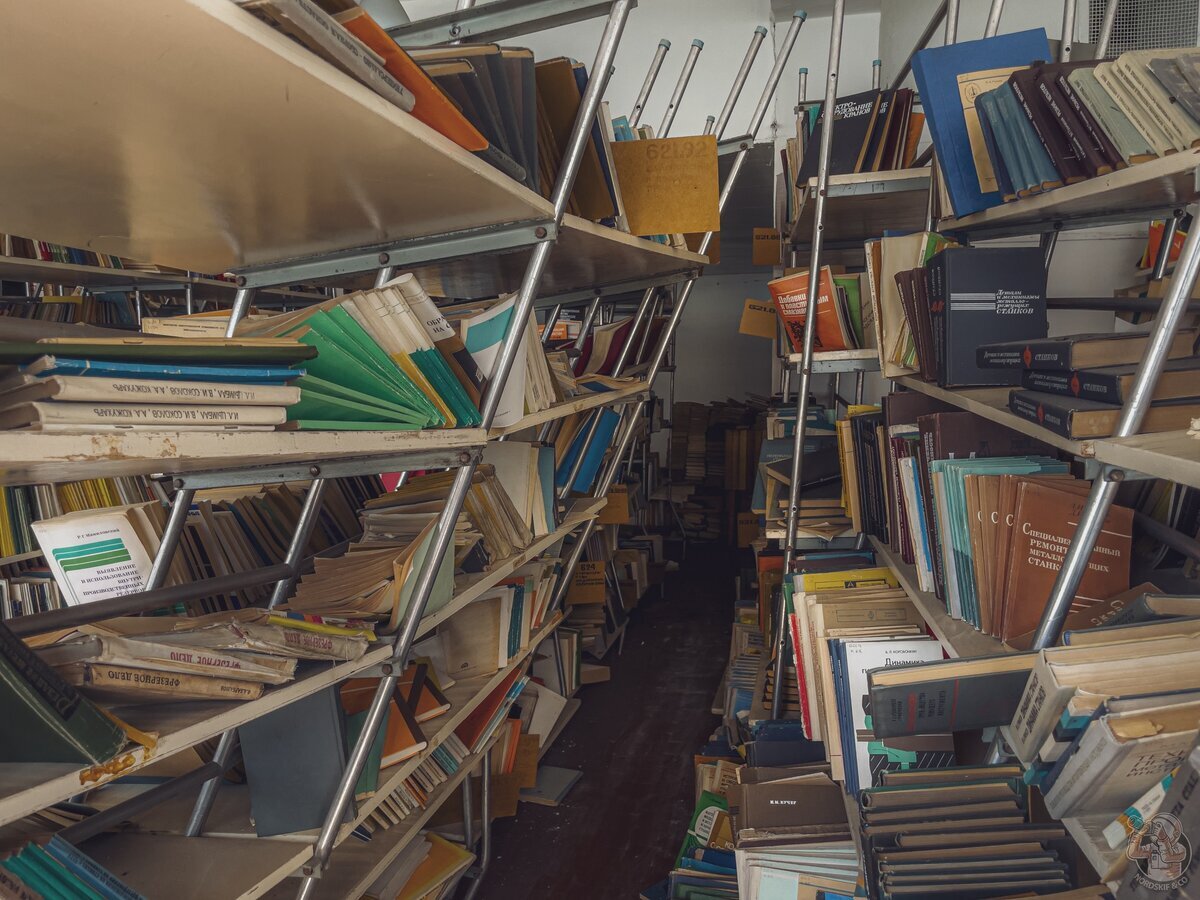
<point>853,118</point>
<point>1079,351</point>
<point>1079,419</point>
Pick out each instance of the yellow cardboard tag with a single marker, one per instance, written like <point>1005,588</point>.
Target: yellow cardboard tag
<point>767,251</point>
<point>669,185</point>
<point>587,584</point>
<point>758,319</point>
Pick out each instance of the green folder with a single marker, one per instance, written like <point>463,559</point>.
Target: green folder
<point>852,286</point>
<point>316,403</point>
<point>368,781</point>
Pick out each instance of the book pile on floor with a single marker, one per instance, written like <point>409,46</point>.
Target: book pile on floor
<point>822,506</point>
<point>1034,127</point>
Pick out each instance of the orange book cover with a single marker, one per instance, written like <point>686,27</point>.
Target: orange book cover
<point>404,738</point>
<point>916,125</point>
<point>477,720</point>
<point>790,295</point>
<point>432,107</point>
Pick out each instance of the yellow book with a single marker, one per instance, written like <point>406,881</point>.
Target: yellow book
<point>848,578</point>
<point>418,378</point>
<point>444,861</point>
<point>8,546</point>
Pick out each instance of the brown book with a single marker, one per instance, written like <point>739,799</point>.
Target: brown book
<point>1087,150</point>
<point>126,684</point>
<point>1045,518</point>
<point>1080,351</point>
<point>976,836</point>
<point>1023,83</point>
<point>1079,419</point>
<point>927,356</point>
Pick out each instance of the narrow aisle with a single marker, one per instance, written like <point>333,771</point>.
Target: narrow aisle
<point>633,739</point>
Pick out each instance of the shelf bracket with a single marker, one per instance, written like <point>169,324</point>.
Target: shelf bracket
<point>330,468</point>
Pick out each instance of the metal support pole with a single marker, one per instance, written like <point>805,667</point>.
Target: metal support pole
<point>1106,29</point>
<point>810,321</point>
<point>468,815</point>
<point>577,464</point>
<point>444,531</point>
<point>760,32</point>
<point>801,89</point>
<point>485,825</point>
<point>170,541</point>
<point>208,790</point>
<point>643,309</point>
<point>551,321</point>
<point>648,85</point>
<point>187,295</point>
<point>680,86</point>
<point>710,122</point>
<point>876,65</point>
<point>1163,259</point>
<point>860,378</point>
<point>1049,243</point>
<point>589,319</point>
<point>559,668</point>
<point>655,312</point>
<point>241,305</point>
<point>951,36</point>
<point>309,514</point>
<point>1104,488</point>
<point>1068,31</point>
<point>935,20</point>
<point>384,275</point>
<point>137,306</point>
<point>993,19</point>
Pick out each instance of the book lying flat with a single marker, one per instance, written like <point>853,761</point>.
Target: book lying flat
<point>1077,418</point>
<point>1080,351</point>
<point>161,416</point>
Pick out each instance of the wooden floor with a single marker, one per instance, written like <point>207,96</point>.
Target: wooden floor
<point>633,739</point>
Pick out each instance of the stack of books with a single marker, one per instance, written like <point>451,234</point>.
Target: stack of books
<point>428,866</point>
<point>843,322</point>
<point>45,251</point>
<point>57,869</point>
<point>1076,385</point>
<point>22,505</point>
<point>141,383</point>
<point>1031,126</point>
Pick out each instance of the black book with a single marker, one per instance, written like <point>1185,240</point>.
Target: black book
<point>1024,84</point>
<point>1111,384</point>
<point>853,118</point>
<point>1079,351</point>
<point>983,294</point>
<point>1076,418</point>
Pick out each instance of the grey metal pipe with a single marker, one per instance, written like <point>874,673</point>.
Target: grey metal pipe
<point>241,305</point>
<point>468,815</point>
<point>137,306</point>
<point>142,601</point>
<point>1106,29</point>
<point>1104,488</point>
<point>801,88</point>
<point>222,759</point>
<point>485,825</point>
<point>444,531</point>
<point>638,317</point>
<point>951,36</point>
<point>187,295</point>
<point>993,20</point>
<point>1163,259</point>
<point>310,512</point>
<point>551,321</point>
<point>577,463</point>
<point>680,86</point>
<point>655,312</point>
<point>171,535</point>
<point>1065,46</point>
<point>810,322</point>
<point>739,81</point>
<point>1049,243</point>
<point>1176,540</point>
<point>384,274</point>
<point>876,64</point>
<point>935,20</point>
<point>710,123</point>
<point>656,64</point>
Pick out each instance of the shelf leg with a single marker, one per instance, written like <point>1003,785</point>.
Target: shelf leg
<point>935,20</point>
<point>638,317</point>
<point>1106,29</point>
<point>655,312</point>
<point>1048,244</point>
<point>443,534</point>
<point>551,321</point>
<point>739,81</point>
<point>1163,259</point>
<point>170,542</point>
<point>1068,31</point>
<point>384,275</point>
<point>241,305</point>
<point>993,20</point>
<point>485,826</point>
<point>802,387</point>
<point>1104,488</point>
<point>589,319</point>
<point>468,814</point>
<point>137,306</point>
<point>309,514</point>
<point>559,667</point>
<point>685,75</point>
<point>208,790</point>
<point>656,64</point>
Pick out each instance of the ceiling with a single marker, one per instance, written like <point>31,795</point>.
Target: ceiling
<point>784,8</point>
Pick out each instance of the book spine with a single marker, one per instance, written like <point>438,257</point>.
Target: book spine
<point>1140,117</point>
<point>985,110</point>
<point>938,316</point>
<point>60,697</point>
<point>156,414</point>
<point>13,888</point>
<point>1080,383</point>
<point>140,682</point>
<point>119,390</point>
<point>1072,129</point>
<point>1150,101</point>
<point>1061,155</point>
<point>1051,417</point>
<point>89,871</point>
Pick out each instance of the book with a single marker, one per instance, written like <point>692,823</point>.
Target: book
<point>1097,107</point>
<point>790,296</point>
<point>150,684</point>
<point>74,388</point>
<point>38,415</point>
<point>1025,85</point>
<point>936,71</point>
<point>1080,351</point>
<point>49,365</point>
<point>853,121</point>
<point>1079,419</point>
<point>95,554</point>
<point>983,294</point>
<point>48,720</point>
<point>1111,384</point>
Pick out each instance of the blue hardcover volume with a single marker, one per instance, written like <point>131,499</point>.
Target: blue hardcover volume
<point>936,71</point>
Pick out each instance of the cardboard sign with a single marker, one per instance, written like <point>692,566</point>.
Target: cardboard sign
<point>758,319</point>
<point>766,249</point>
<point>713,253</point>
<point>747,528</point>
<point>616,509</point>
<point>587,584</point>
<point>669,185</point>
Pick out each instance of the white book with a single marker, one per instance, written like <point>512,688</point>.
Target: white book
<point>483,335</point>
<point>161,416</point>
<point>953,600</point>
<point>147,652</point>
<point>1134,67</point>
<point>84,389</point>
<point>1141,119</point>
<point>912,509</point>
<point>94,554</point>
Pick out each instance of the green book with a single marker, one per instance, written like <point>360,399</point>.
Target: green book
<point>35,878</point>
<point>315,405</point>
<point>20,352</point>
<point>45,719</point>
<point>70,885</point>
<point>368,781</point>
<point>395,411</point>
<point>853,288</point>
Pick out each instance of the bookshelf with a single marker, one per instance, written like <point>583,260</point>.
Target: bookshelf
<point>861,206</point>
<point>1172,455</point>
<point>959,638</point>
<point>837,362</point>
<point>634,391</point>
<point>1138,193</point>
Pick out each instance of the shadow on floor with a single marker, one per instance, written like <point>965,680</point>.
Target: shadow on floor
<point>633,738</point>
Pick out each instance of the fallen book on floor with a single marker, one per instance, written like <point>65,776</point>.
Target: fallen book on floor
<point>553,785</point>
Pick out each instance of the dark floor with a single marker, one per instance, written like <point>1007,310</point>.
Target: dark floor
<point>633,738</point>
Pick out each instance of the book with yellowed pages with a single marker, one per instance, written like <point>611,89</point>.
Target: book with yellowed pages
<point>136,684</point>
<point>444,862</point>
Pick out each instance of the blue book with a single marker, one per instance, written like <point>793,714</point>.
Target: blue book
<point>60,365</point>
<point>1045,176</point>
<point>989,124</point>
<point>594,456</point>
<point>89,871</point>
<point>936,71</point>
<point>698,865</point>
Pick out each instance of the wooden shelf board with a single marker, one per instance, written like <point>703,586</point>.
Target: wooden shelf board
<point>585,256</point>
<point>1134,194</point>
<point>1170,454</point>
<point>198,166</point>
<point>959,638</point>
<point>825,362</point>
<point>992,403</point>
<point>860,207</point>
<point>32,457</point>
<point>634,391</point>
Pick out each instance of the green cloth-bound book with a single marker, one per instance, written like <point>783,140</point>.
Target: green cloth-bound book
<point>45,719</point>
